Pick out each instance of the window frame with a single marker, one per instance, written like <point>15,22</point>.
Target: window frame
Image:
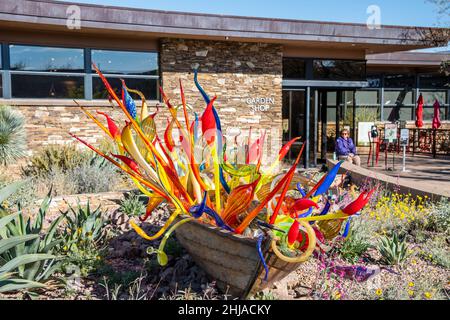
<point>88,75</point>
<point>364,78</point>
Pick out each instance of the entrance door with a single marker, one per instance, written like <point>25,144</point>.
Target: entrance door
<point>294,109</point>
<point>336,112</point>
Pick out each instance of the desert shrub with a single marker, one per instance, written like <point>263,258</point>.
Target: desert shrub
<point>436,251</point>
<point>55,157</point>
<point>393,212</point>
<point>419,289</point>
<point>70,171</point>
<point>12,136</point>
<point>352,248</point>
<point>92,178</point>
<point>83,179</point>
<point>357,242</point>
<point>132,205</point>
<point>439,217</point>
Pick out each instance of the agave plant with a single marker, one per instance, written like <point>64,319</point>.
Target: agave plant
<point>12,136</point>
<point>24,253</point>
<point>132,205</point>
<point>84,227</point>
<point>392,249</point>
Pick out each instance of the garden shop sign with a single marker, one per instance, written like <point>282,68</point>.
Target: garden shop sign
<point>260,104</point>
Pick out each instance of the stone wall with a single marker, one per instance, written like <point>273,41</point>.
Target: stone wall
<point>51,125</point>
<point>232,71</point>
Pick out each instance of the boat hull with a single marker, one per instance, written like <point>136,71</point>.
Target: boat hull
<point>232,260</point>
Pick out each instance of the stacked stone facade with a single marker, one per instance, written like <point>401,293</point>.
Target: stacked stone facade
<point>52,125</point>
<point>237,73</point>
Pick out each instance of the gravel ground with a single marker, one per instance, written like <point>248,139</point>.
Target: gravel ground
<point>126,259</point>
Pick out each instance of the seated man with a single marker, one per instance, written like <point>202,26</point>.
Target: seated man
<point>346,149</point>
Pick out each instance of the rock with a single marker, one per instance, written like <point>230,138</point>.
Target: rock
<point>201,53</point>
<point>166,272</point>
<point>250,64</point>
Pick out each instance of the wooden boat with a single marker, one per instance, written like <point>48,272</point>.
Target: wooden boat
<point>232,260</point>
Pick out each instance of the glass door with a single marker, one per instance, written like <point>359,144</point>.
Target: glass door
<point>293,110</point>
<point>336,112</point>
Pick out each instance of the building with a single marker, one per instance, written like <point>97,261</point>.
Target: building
<point>297,78</point>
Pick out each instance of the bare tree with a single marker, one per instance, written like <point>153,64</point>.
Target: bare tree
<point>443,8</point>
<point>439,37</point>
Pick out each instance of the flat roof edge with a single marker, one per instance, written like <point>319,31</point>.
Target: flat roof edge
<point>53,13</point>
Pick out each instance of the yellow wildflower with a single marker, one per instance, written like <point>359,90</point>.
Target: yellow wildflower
<point>337,295</point>
<point>428,295</point>
<point>379,292</point>
<point>411,284</point>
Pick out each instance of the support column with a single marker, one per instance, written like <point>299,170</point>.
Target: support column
<point>382,99</point>
<point>307,126</point>
<point>88,91</point>
<point>6,74</point>
<point>316,121</point>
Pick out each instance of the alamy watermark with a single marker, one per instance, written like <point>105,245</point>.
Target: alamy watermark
<point>374,20</point>
<point>73,14</point>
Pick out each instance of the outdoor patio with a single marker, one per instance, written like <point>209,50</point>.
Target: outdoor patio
<point>422,169</point>
<point>424,175</point>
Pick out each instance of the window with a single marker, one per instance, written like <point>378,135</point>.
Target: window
<point>47,86</point>
<point>294,68</point>
<point>65,73</point>
<point>46,59</point>
<point>429,97</point>
<point>331,106</point>
<point>138,69</point>
<point>399,81</point>
<point>434,81</point>
<point>46,72</point>
<point>147,86</point>
<point>367,98</point>
<point>126,62</point>
<point>398,105</point>
<point>349,70</point>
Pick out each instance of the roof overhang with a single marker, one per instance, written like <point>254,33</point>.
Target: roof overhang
<point>102,20</point>
<point>324,84</point>
<point>413,59</point>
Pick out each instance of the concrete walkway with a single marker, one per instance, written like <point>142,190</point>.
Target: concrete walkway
<point>426,176</point>
<point>420,168</point>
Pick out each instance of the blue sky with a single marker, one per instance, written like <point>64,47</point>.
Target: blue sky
<point>393,12</point>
